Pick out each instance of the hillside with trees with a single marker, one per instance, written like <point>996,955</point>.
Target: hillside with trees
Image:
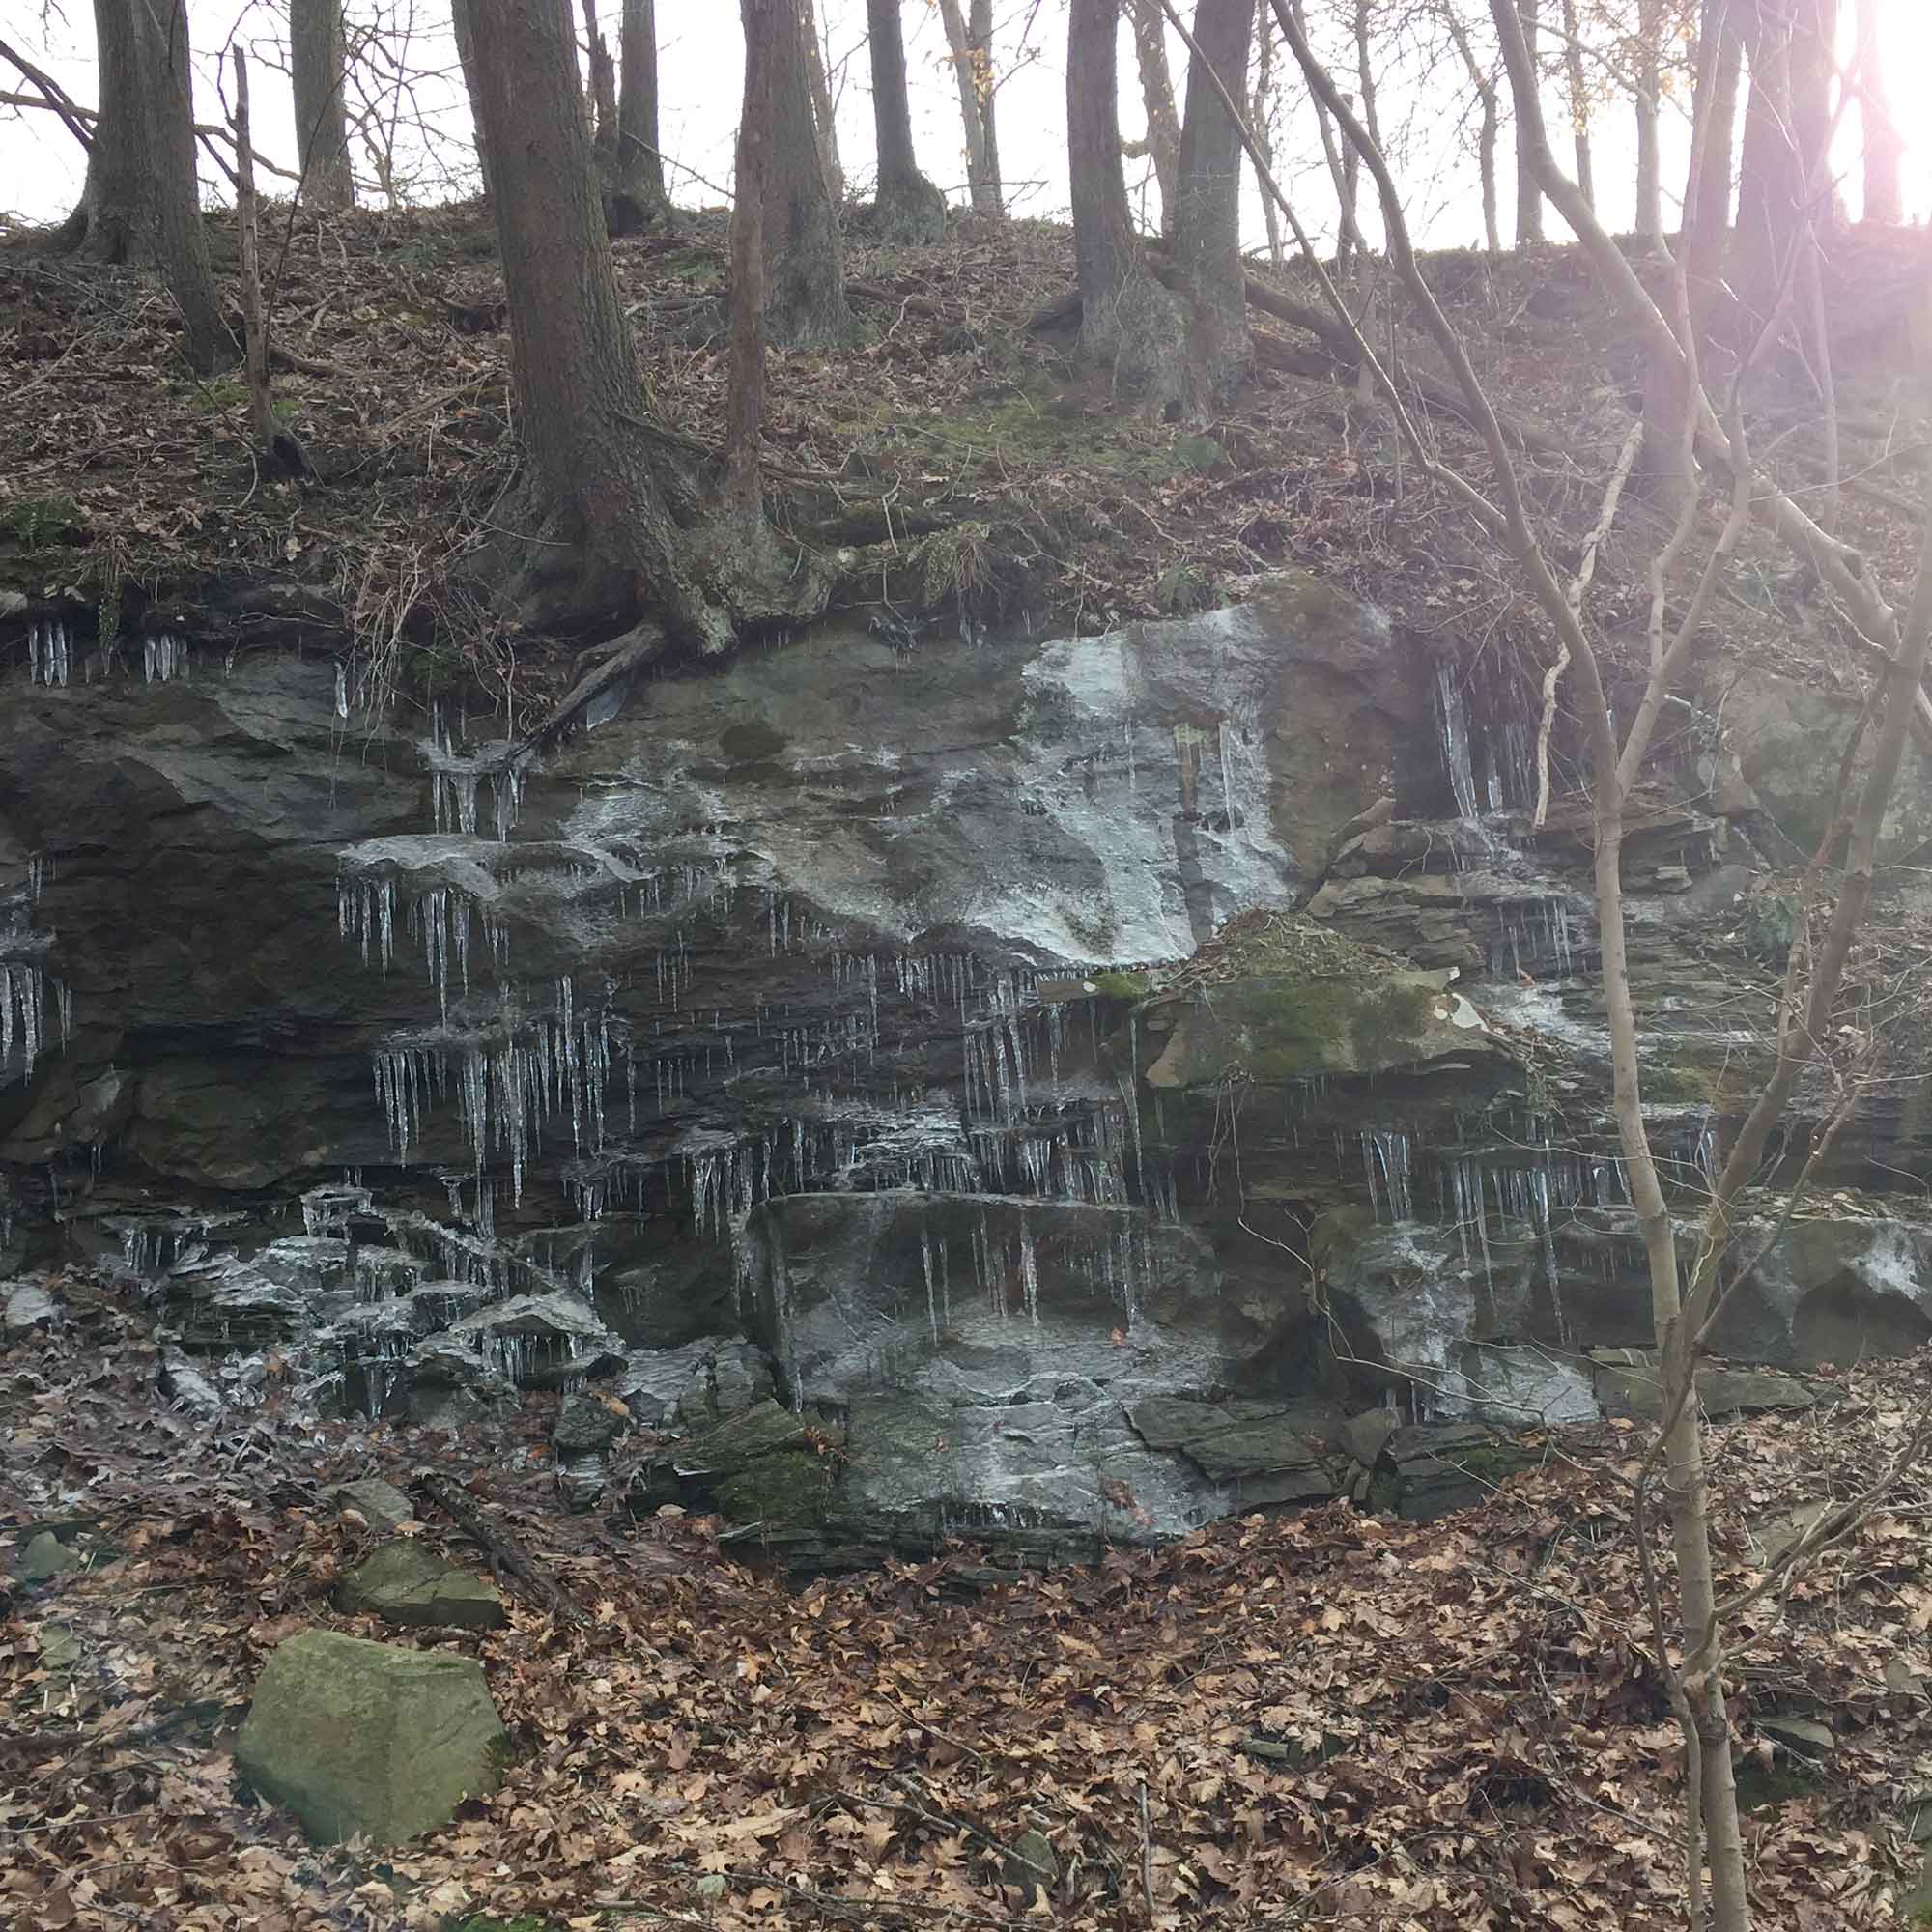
<point>864,1061</point>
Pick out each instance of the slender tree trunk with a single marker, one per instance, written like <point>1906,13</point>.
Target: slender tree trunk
<point>1128,323</point>
<point>969,40</point>
<point>908,207</point>
<point>1341,173</point>
<point>1883,147</point>
<point>1528,196</point>
<point>316,62</point>
<point>1208,214</point>
<point>178,234</point>
<point>255,321</point>
<point>603,93</point>
<point>1163,121</point>
<point>1648,98</point>
<point>631,499</point>
<point>747,400</point>
<point>824,119</point>
<point>1261,120</point>
<point>461,24</point>
<point>805,281</point>
<point>1708,198</point>
<point>1580,104</point>
<point>638,196</point>
<point>1491,108</point>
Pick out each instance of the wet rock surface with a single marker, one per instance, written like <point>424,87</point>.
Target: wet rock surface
<point>1069,1079</point>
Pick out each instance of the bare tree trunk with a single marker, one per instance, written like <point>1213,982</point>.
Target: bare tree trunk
<point>602,477</point>
<point>1648,98</point>
<point>1349,242</point>
<point>1261,119</point>
<point>824,119</point>
<point>107,226</point>
<point>1884,145</point>
<point>603,93</point>
<point>461,24</point>
<point>805,278</point>
<point>744,416</point>
<point>1528,196</point>
<point>178,234</point>
<point>1163,121</point>
<point>1127,321</point>
<point>638,196</point>
<point>1579,102</point>
<point>969,39</point>
<point>1208,214</point>
<point>908,207</point>
<point>255,323</point>
<point>316,62</point>
<point>1708,198</point>
<point>1492,122</point>
<point>1786,125</point>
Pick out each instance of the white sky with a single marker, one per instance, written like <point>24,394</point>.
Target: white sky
<point>700,56</point>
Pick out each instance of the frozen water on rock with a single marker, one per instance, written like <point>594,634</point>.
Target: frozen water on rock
<point>49,652</point>
<point>164,656</point>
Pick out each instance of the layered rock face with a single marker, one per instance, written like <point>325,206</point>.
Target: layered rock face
<point>1068,1076</point>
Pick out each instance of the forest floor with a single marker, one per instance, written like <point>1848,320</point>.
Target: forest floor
<point>1315,1719</point>
<point>951,461</point>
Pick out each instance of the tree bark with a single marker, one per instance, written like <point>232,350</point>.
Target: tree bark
<point>638,196</point>
<point>1208,214</point>
<point>603,93</point>
<point>970,40</point>
<point>108,226</point>
<point>1708,198</point>
<point>824,119</point>
<point>177,232</point>
<point>316,63</point>
<point>1128,323</point>
<point>746,411</point>
<point>1260,118</point>
<point>461,19</point>
<point>1491,108</point>
<point>1163,121</point>
<point>1580,104</point>
<point>1528,196</point>
<point>603,478</point>
<point>1884,145</point>
<point>1781,188</point>
<point>908,207</point>
<point>1648,97</point>
<point>805,281</point>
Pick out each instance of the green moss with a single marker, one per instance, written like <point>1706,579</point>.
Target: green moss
<point>751,743</point>
<point>1288,1025</point>
<point>36,522</point>
<point>485,1924</point>
<point>1119,985</point>
<point>790,1488</point>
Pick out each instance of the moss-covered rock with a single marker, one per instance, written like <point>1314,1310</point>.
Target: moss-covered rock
<point>1280,997</point>
<point>783,1491</point>
<point>356,1737</point>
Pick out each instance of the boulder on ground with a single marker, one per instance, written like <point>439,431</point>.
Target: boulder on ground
<point>403,1582</point>
<point>25,1306</point>
<point>359,1737</point>
<point>1629,1383</point>
<point>379,1504</point>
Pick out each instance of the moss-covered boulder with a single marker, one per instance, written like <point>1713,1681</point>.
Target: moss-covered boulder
<point>1280,997</point>
<point>403,1582</point>
<point>359,1737</point>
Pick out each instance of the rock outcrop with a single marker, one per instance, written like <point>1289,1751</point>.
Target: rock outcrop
<point>1052,1072</point>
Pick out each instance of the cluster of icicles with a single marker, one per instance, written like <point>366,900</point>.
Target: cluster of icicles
<point>53,655</point>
